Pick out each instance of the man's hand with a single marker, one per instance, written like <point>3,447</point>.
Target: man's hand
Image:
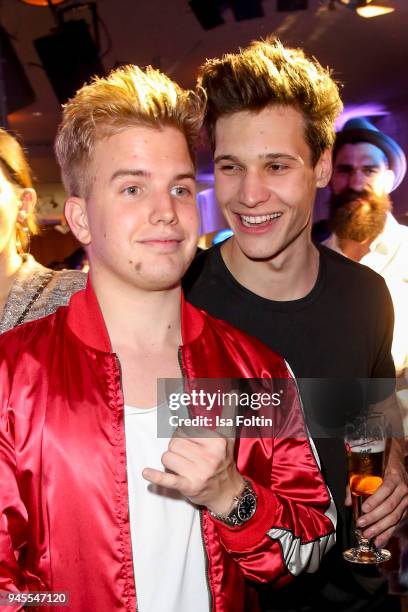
<point>385,508</point>
<point>201,469</point>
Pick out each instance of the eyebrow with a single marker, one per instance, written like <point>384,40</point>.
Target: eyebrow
<point>129,172</point>
<point>351,166</point>
<point>185,175</point>
<point>146,174</point>
<point>268,156</point>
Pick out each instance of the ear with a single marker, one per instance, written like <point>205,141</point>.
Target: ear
<point>323,169</point>
<point>28,200</point>
<point>389,178</point>
<point>76,215</point>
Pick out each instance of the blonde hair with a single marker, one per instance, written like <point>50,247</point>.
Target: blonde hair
<point>267,73</point>
<point>15,168</point>
<point>128,97</point>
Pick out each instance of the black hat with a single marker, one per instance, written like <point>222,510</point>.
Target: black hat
<point>359,129</point>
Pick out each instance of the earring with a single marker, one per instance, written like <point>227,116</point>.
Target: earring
<point>23,233</point>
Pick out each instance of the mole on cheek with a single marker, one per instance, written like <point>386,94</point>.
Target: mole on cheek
<point>138,266</point>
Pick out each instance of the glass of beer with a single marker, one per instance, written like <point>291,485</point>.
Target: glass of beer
<point>365,447</point>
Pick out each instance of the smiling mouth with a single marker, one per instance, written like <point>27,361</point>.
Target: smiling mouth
<point>257,220</point>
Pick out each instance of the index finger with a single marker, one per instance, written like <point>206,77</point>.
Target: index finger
<point>383,492</point>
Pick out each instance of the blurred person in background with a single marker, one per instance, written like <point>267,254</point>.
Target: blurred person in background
<point>28,290</point>
<point>367,166</point>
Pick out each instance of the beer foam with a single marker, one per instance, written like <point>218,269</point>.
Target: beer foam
<point>374,446</point>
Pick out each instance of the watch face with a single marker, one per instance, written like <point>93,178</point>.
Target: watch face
<point>246,507</point>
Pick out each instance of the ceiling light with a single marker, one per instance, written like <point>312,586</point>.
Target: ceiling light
<point>373,10</point>
<point>365,8</point>
<point>42,2</point>
<point>354,3</point>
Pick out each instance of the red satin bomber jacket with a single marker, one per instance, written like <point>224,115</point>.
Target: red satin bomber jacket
<point>64,496</point>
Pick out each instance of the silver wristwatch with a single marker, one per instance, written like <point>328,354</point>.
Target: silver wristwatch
<point>243,510</point>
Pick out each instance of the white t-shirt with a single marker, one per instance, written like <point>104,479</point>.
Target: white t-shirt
<point>388,256</point>
<point>168,550</point>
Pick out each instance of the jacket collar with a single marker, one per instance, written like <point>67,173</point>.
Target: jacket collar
<point>192,321</point>
<point>86,320</point>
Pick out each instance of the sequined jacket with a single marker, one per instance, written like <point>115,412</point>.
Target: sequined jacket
<point>64,511</point>
<point>38,291</point>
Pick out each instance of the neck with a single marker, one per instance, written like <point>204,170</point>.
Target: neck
<point>10,262</point>
<point>354,250</point>
<point>290,275</point>
<point>139,318</point>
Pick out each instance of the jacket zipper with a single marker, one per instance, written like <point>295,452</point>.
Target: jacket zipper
<point>207,572</point>
<point>121,389</point>
<point>207,563</point>
<point>207,568</point>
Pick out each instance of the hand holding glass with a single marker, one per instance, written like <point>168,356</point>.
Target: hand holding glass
<point>365,447</point>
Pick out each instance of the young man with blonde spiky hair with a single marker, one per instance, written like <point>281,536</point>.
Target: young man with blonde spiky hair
<point>92,502</point>
<point>270,114</point>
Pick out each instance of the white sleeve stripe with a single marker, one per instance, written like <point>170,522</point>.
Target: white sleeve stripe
<point>331,511</point>
<point>300,557</point>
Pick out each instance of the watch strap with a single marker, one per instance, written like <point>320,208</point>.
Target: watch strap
<point>232,518</point>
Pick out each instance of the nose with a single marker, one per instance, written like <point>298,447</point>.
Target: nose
<point>357,180</point>
<point>163,209</point>
<point>253,190</point>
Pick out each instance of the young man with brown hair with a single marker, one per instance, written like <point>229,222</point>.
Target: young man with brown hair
<point>270,117</point>
<point>92,501</point>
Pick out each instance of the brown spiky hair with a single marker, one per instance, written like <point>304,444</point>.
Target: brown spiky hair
<point>265,74</point>
<point>128,97</point>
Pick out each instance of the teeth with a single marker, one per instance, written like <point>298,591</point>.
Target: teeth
<point>252,220</point>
